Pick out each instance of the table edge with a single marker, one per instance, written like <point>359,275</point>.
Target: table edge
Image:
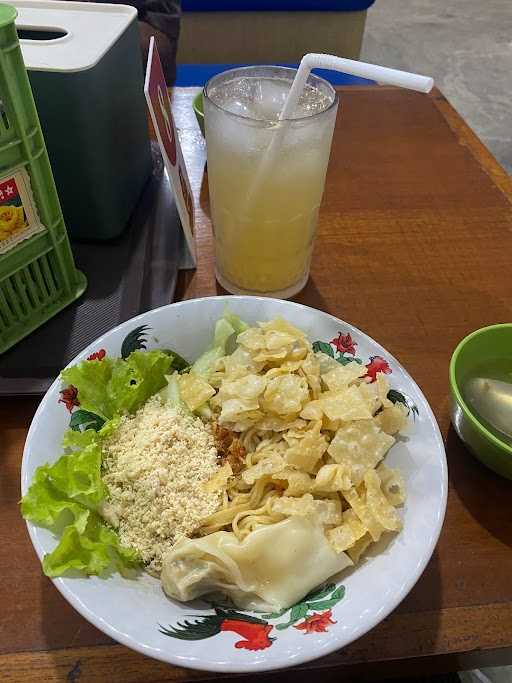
<point>467,137</point>
<point>93,664</point>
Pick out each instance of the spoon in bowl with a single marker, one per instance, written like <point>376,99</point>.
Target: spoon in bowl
<point>491,399</point>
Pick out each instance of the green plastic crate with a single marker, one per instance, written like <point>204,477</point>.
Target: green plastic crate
<point>38,277</point>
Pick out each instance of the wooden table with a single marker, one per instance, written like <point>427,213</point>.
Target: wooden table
<point>414,247</point>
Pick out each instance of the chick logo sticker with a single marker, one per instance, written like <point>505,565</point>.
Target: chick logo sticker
<point>18,215</point>
<point>157,98</point>
<point>12,215</point>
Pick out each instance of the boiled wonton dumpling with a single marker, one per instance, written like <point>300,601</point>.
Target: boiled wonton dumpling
<point>272,568</point>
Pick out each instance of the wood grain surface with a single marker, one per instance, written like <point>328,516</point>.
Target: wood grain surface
<point>414,248</point>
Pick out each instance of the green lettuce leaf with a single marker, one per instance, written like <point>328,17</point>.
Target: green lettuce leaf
<point>236,323</point>
<point>91,378</point>
<point>75,440</point>
<point>205,364</point>
<point>137,378</point>
<point>226,328</point>
<point>67,494</point>
<point>78,475</point>
<point>171,394</point>
<point>75,478</point>
<point>108,387</point>
<point>92,550</point>
<point>43,504</point>
<point>229,325</point>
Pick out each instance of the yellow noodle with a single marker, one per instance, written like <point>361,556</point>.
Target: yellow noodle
<point>263,509</point>
<point>239,503</point>
<point>248,439</point>
<point>251,513</point>
<point>252,523</point>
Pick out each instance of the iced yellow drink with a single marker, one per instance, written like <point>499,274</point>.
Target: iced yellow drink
<point>264,216</point>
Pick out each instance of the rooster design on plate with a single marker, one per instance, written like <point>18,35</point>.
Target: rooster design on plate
<point>313,614</point>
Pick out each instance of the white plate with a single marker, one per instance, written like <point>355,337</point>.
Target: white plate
<point>130,611</point>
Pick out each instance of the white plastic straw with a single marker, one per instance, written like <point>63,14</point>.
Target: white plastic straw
<point>373,72</point>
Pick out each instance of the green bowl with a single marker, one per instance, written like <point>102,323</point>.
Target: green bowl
<point>197,105</point>
<point>488,343</point>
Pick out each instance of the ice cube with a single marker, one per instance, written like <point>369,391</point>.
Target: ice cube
<point>271,97</point>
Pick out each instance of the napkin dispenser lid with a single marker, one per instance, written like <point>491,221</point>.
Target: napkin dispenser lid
<point>76,22</point>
